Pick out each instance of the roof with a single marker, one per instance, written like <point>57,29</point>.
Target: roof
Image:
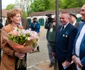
<point>71,10</point>
<point>42,13</point>
<point>4,13</point>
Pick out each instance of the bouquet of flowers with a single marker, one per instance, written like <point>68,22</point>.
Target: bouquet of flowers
<point>21,40</point>
<point>24,37</point>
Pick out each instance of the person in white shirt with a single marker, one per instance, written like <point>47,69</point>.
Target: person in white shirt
<point>79,44</point>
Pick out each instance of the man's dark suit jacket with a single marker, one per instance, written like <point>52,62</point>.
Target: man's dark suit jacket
<point>64,43</point>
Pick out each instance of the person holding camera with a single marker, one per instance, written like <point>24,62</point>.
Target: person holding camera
<point>50,26</point>
<point>35,26</point>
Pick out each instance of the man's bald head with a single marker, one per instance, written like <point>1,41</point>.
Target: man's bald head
<point>64,18</point>
<point>65,14</point>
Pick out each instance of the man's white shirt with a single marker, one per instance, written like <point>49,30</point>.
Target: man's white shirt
<point>79,40</point>
<point>74,23</point>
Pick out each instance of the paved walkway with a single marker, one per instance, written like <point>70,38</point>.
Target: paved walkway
<point>37,57</point>
<point>41,66</point>
<point>40,60</point>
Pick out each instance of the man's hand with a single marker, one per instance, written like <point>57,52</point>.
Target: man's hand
<point>53,54</point>
<point>54,23</point>
<point>79,63</point>
<point>74,59</point>
<point>66,63</point>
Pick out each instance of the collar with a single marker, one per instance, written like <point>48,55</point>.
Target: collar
<point>74,23</point>
<point>65,25</point>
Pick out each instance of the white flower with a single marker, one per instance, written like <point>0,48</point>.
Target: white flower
<point>29,38</point>
<point>15,28</point>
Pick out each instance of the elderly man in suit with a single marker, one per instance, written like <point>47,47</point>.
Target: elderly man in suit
<point>79,49</point>
<point>64,42</point>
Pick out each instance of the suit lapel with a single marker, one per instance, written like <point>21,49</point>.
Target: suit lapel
<point>79,30</point>
<point>58,33</point>
<point>83,38</point>
<point>84,34</point>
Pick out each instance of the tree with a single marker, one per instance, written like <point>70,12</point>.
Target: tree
<point>37,5</point>
<point>42,5</point>
<point>24,4</point>
<point>52,5</point>
<point>10,6</point>
<point>64,4</point>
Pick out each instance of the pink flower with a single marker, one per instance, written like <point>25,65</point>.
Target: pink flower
<point>15,33</point>
<point>34,35</point>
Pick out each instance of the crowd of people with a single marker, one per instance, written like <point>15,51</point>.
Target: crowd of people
<point>66,45</point>
<point>68,48</point>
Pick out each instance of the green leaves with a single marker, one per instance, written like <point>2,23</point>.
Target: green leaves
<point>64,4</point>
<point>34,42</point>
<point>10,6</point>
<point>37,5</point>
<point>18,39</point>
<point>43,5</point>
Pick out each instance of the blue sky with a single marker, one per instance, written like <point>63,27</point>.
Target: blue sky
<point>7,2</point>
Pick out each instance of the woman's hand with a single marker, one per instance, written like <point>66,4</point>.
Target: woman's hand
<point>19,55</point>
